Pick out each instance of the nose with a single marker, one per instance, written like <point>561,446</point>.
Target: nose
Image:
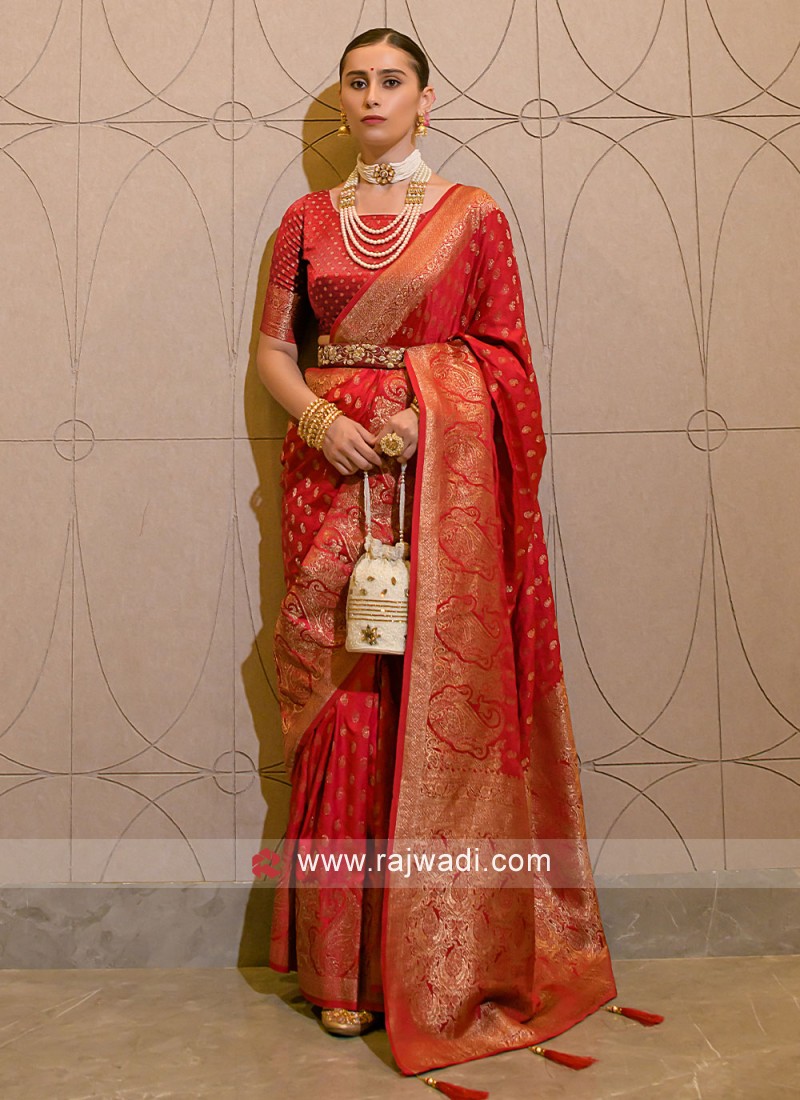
<point>371,96</point>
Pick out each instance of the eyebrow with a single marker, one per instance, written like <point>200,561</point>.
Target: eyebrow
<point>381,72</point>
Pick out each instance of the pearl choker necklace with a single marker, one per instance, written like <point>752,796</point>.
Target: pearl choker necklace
<point>389,172</point>
<point>358,236</point>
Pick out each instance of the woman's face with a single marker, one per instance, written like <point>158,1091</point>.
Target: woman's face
<point>381,96</point>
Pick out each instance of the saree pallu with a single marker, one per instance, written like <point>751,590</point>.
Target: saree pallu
<point>483,742</point>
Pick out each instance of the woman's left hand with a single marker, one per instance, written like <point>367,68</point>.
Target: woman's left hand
<point>406,424</point>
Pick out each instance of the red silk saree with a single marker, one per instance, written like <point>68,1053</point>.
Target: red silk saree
<point>467,736</point>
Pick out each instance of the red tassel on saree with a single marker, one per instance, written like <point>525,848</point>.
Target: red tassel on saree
<point>475,740</point>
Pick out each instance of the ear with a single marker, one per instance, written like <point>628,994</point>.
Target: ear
<point>426,101</point>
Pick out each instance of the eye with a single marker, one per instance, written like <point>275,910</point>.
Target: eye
<point>356,82</point>
<point>392,80</point>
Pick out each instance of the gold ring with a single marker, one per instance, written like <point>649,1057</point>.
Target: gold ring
<point>392,444</point>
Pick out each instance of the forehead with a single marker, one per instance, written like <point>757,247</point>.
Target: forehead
<point>380,55</point>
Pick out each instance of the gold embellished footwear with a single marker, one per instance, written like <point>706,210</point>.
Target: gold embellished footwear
<point>346,1021</point>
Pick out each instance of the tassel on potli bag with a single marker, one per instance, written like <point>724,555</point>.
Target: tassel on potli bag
<point>377,598</point>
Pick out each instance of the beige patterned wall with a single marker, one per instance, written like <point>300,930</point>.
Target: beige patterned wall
<point>647,154</point>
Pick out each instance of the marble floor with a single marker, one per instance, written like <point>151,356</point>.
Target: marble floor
<point>731,1029</point>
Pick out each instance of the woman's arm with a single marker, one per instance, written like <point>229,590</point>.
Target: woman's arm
<point>276,363</point>
<point>347,444</point>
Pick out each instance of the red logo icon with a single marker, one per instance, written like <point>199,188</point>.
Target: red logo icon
<point>266,863</point>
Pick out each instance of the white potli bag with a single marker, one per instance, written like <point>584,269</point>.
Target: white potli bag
<point>377,599</point>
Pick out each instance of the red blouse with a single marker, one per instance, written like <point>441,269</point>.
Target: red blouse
<point>310,261</point>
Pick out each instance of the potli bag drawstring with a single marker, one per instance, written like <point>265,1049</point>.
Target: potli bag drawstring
<point>377,597</point>
<point>401,481</point>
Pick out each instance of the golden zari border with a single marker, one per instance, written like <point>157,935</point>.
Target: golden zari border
<point>281,307</point>
<point>309,633</point>
<point>472,970</point>
<point>385,304</point>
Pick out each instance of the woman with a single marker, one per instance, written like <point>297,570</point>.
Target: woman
<point>468,733</point>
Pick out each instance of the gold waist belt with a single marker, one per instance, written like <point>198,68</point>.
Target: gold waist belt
<point>357,355</point>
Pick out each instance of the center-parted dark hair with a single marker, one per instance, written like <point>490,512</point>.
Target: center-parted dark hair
<point>396,39</point>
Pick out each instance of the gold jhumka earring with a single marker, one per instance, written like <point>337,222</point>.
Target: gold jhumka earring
<point>344,129</point>
<point>420,129</point>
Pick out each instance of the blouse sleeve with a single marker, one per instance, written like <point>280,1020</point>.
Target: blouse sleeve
<point>286,285</point>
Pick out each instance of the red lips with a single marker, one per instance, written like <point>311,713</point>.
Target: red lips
<point>373,118</point>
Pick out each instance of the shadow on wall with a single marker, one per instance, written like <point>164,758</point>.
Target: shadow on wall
<point>327,158</point>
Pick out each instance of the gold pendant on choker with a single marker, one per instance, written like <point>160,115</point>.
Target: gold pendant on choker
<point>383,173</point>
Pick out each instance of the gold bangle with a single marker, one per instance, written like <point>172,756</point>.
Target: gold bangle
<point>315,420</point>
<point>330,415</point>
<point>313,423</point>
<point>309,415</point>
<point>415,405</point>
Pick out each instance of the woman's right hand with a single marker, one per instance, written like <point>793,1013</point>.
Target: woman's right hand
<point>348,446</point>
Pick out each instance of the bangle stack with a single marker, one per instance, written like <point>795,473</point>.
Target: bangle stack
<point>415,405</point>
<point>315,421</point>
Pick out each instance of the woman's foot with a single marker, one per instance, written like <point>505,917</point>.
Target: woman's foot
<point>346,1021</point>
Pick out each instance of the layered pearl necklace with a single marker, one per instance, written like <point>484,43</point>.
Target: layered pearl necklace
<point>357,236</point>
